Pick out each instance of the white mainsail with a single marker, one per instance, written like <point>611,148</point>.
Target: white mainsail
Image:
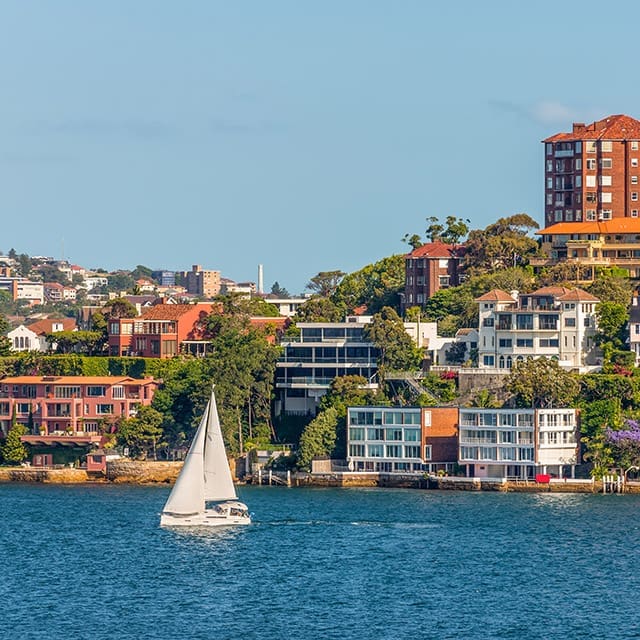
<point>217,475</point>
<point>205,474</point>
<point>187,495</point>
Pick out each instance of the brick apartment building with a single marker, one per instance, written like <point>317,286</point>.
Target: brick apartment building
<point>429,268</point>
<point>162,331</point>
<point>592,197</point>
<point>202,282</point>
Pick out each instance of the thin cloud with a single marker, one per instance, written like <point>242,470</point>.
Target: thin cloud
<point>549,112</point>
<point>220,125</point>
<point>130,128</point>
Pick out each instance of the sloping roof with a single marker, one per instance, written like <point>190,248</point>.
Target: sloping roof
<point>41,327</point>
<point>550,291</point>
<point>578,295</point>
<point>496,295</point>
<point>172,311</point>
<point>435,250</point>
<point>604,227</point>
<point>616,127</point>
<point>77,380</point>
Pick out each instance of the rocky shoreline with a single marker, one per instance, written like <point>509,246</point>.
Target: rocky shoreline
<point>147,472</point>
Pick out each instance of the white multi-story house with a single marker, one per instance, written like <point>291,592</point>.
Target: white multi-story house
<point>501,443</point>
<point>322,351</point>
<point>554,322</point>
<point>33,337</point>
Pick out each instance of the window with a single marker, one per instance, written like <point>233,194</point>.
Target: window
<point>412,451</point>
<point>426,418</point>
<point>117,393</point>
<point>591,196</point>
<point>525,343</point>
<point>488,322</point>
<point>524,322</point>
<point>376,450</point>
<point>549,198</point>
<point>634,196</point>
<point>427,452</point>
<point>394,434</point>
<point>578,161</point>
<point>606,214</point>
<point>488,361</point>
<point>375,434</point>
<point>356,433</point>
<point>412,435</point>
<point>634,213</point>
<point>605,181</point>
<point>606,163</point>
<point>95,392</point>
<point>569,322</point>
<point>606,145</point>
<point>504,343</point>
<point>606,197</point>
<point>103,409</point>
<point>634,179</point>
<point>356,450</point>
<point>634,162</point>
<point>590,181</point>
<point>394,451</point>
<point>549,183</point>
<point>634,145</point>
<point>590,214</point>
<point>590,146</point>
<point>578,181</point>
<point>591,163</point>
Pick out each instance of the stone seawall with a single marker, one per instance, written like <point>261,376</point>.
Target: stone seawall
<point>142,472</point>
<point>49,476</point>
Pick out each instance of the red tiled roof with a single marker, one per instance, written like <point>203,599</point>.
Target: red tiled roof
<point>41,327</point>
<point>616,225</point>
<point>435,250</point>
<point>496,295</point>
<point>617,127</point>
<point>173,311</point>
<point>77,380</point>
<point>550,291</point>
<point>578,295</point>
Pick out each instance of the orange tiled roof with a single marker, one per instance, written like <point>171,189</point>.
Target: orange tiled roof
<point>41,327</point>
<point>617,127</point>
<point>496,295</point>
<point>550,291</point>
<point>76,380</point>
<point>604,227</point>
<point>173,311</point>
<point>434,250</point>
<point>578,295</point>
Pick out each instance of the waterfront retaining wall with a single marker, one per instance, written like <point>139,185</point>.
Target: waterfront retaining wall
<point>123,470</point>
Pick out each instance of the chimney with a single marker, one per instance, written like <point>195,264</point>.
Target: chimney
<point>579,127</point>
<point>260,279</point>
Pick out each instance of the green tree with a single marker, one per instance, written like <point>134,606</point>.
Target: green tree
<point>142,272</point>
<point>414,240</point>
<point>51,273</point>
<point>13,450</point>
<point>376,286</point>
<point>318,437</point>
<point>542,383</point>
<point>120,281</point>
<point>397,350</point>
<point>504,243</point>
<point>278,291</point>
<point>612,320</point>
<point>121,308</point>
<point>5,343</point>
<point>325,283</point>
<point>24,265</point>
<point>141,433</point>
<point>611,288</point>
<point>317,309</point>
<point>451,232</point>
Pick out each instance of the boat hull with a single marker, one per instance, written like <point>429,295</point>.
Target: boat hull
<point>221,516</point>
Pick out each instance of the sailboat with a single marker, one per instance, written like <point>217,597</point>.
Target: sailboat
<point>204,495</point>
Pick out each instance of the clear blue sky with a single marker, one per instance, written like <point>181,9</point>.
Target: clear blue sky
<point>306,136</point>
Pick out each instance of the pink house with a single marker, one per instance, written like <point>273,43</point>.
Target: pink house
<point>67,411</point>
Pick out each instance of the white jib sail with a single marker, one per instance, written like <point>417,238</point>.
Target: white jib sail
<point>187,495</point>
<point>218,484</point>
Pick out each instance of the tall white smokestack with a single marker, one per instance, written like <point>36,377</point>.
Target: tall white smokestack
<point>260,279</point>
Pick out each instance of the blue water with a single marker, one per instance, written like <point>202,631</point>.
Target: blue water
<point>92,562</point>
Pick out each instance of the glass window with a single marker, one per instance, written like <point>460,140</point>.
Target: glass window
<point>376,450</point>
<point>356,433</point>
<point>96,391</point>
<point>412,435</point>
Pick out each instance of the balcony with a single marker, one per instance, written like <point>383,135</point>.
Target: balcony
<point>564,153</point>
